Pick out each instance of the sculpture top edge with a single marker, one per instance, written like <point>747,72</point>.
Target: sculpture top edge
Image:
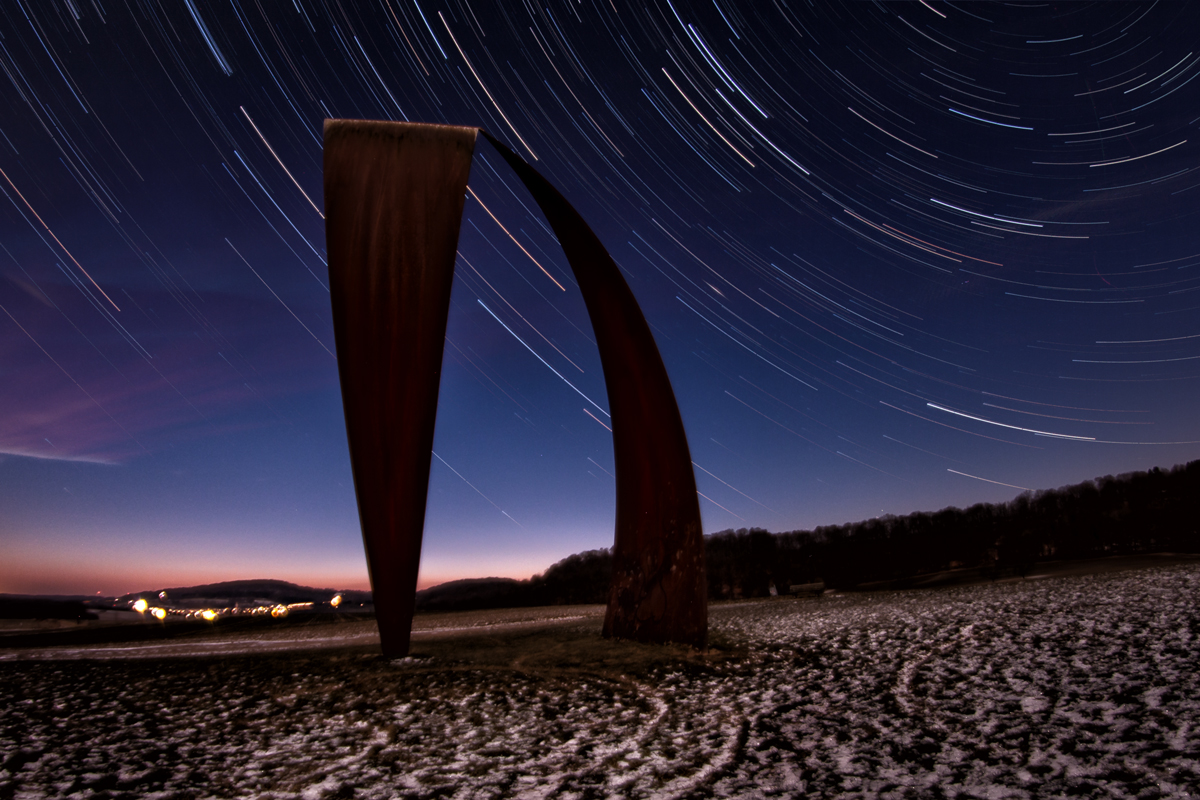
<point>399,130</point>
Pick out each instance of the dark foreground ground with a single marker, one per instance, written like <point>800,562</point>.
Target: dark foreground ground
<point>1069,686</point>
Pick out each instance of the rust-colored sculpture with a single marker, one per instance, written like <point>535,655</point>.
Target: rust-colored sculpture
<point>393,206</point>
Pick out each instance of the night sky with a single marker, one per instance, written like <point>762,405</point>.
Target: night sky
<point>897,256</point>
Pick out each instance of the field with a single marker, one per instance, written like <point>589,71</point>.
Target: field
<point>1082,686</point>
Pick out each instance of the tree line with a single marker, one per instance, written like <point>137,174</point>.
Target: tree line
<point>1136,512</point>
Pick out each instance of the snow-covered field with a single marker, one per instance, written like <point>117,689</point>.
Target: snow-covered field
<point>1066,687</point>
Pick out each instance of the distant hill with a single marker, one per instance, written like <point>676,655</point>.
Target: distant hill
<point>23,607</point>
<point>471,593</point>
<point>578,579</point>
<point>246,593</point>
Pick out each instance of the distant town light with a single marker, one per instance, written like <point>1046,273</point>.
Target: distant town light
<point>159,613</point>
<point>209,614</point>
<point>336,601</point>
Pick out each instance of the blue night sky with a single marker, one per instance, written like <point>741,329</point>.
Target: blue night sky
<point>897,256</point>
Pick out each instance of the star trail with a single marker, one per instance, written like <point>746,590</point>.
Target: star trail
<point>897,256</point>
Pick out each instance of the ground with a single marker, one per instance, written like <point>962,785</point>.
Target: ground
<point>1077,686</point>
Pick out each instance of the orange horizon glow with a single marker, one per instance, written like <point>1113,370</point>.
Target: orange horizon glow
<point>78,581</point>
<point>41,563</point>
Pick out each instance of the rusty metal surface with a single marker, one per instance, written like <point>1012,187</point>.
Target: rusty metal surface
<point>393,206</point>
<point>658,591</point>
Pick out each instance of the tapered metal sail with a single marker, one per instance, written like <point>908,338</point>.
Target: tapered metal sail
<point>393,205</point>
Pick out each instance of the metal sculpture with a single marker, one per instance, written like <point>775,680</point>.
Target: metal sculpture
<point>394,196</point>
